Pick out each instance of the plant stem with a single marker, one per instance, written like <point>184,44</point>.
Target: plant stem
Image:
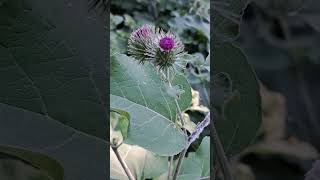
<point>179,164</point>
<point>123,163</point>
<point>177,104</point>
<point>182,155</point>
<point>205,178</point>
<point>180,116</point>
<point>220,154</point>
<point>170,167</point>
<point>192,137</point>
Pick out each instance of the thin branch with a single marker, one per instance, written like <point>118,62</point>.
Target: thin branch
<point>205,178</point>
<point>220,154</point>
<point>123,163</point>
<point>199,129</point>
<point>179,164</point>
<point>215,171</point>
<point>170,167</point>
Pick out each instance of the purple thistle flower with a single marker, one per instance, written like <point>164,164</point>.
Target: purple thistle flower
<point>166,43</point>
<point>161,48</point>
<point>140,41</point>
<point>167,50</point>
<point>144,31</point>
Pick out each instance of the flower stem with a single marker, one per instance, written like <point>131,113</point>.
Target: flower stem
<point>123,163</point>
<point>182,155</point>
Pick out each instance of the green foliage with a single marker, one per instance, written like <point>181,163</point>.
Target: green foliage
<point>141,162</point>
<point>139,90</point>
<point>197,162</point>
<point>280,34</point>
<point>238,112</point>
<point>119,126</point>
<point>239,118</point>
<point>40,161</point>
<point>227,18</point>
<point>53,84</point>
<point>46,71</point>
<point>32,132</point>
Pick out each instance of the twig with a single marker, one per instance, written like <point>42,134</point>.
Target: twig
<point>199,129</point>
<point>170,167</point>
<point>179,164</point>
<point>123,163</point>
<point>183,154</point>
<point>220,154</point>
<point>205,178</point>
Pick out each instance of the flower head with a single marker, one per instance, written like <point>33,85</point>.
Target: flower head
<point>167,49</point>
<point>139,41</point>
<point>161,48</point>
<point>143,32</point>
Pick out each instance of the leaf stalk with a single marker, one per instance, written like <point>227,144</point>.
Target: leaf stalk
<point>123,163</point>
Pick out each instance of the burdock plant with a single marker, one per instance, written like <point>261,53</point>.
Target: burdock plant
<point>164,50</point>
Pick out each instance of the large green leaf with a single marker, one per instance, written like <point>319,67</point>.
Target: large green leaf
<point>142,84</point>
<point>39,161</point>
<point>12,168</point>
<point>150,129</point>
<point>139,90</point>
<point>52,72</point>
<point>239,124</point>
<point>51,62</point>
<point>227,16</point>
<point>80,155</point>
<point>143,164</point>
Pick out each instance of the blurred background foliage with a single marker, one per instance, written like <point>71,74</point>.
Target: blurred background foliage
<point>12,168</point>
<point>281,40</point>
